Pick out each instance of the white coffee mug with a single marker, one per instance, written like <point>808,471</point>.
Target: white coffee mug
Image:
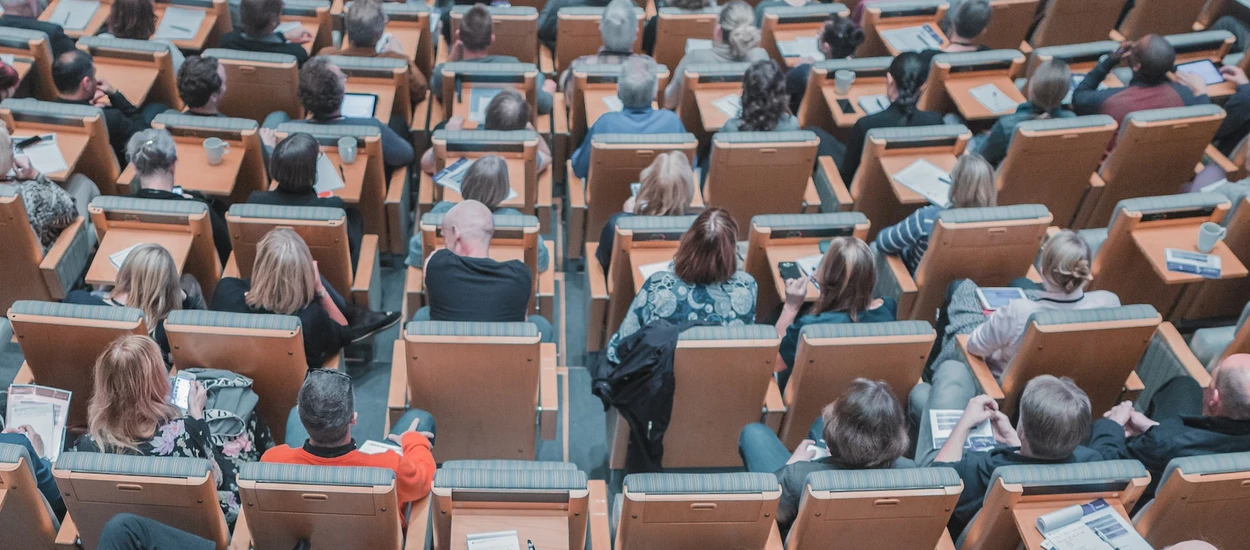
<point>842,81</point>
<point>1209,233</point>
<point>215,149</point>
<point>347,149</point>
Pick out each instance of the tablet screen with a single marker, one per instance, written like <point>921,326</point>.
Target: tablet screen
<point>994,298</point>
<point>359,105</point>
<point>1204,68</point>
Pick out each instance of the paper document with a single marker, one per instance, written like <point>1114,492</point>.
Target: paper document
<point>730,105</point>
<point>179,24</point>
<point>8,59</point>
<point>499,540</point>
<point>118,259</point>
<point>1183,261</point>
<point>384,43</point>
<point>873,104</point>
<point>929,181</point>
<point>372,447</point>
<point>329,177</point>
<point>943,421</point>
<point>480,98</point>
<point>693,44</point>
<point>614,103</point>
<point>451,176</point>
<point>913,39</point>
<point>29,405</point>
<point>993,99</point>
<point>44,156</point>
<point>809,264</point>
<point>650,269</point>
<point>294,26</point>
<point>1094,525</point>
<point>801,47</point>
<point>73,15</point>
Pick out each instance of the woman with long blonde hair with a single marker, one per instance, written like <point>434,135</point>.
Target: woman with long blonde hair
<point>665,189</point>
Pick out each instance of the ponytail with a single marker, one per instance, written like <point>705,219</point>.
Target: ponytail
<point>738,31</point>
<point>909,73</point>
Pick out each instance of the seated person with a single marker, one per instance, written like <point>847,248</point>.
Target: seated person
<point>838,39</point>
<point>202,85</point>
<point>321,88</point>
<point>507,111</point>
<point>765,105</point>
<point>619,28</point>
<point>736,39</point>
<point>1065,270</point>
<point>9,80</point>
<point>1151,59</point>
<point>1240,31</point>
<point>704,271</point>
<point>1184,419</point>
<point>972,186</point>
<point>904,82</point>
<point>1052,422</point>
<point>636,89</point>
<point>130,532</point>
<point>845,279</point>
<point>136,20</point>
<point>666,188</point>
<point>1047,88</point>
<point>863,429</point>
<point>965,23</point>
<point>548,20</point>
<point>486,181</point>
<point>155,157</point>
<point>322,436</point>
<point>294,167</point>
<point>365,25</point>
<point>40,466</point>
<point>472,42</point>
<point>1236,125</point>
<point>649,29</point>
<point>259,20</point>
<point>24,14</point>
<point>76,83</point>
<point>49,208</point>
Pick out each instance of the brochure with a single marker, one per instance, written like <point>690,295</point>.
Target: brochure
<point>43,408</point>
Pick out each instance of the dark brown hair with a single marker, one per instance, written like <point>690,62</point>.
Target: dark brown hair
<point>258,16</point>
<point>133,19</point>
<point>865,428</point>
<point>198,80</point>
<point>294,163</point>
<point>708,251</point>
<point>846,278</point>
<point>476,29</point>
<point>320,90</point>
<point>841,35</point>
<point>764,98</point>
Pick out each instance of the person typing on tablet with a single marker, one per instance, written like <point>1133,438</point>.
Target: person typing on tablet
<point>1151,59</point>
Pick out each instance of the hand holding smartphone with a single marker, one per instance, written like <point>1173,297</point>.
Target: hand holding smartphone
<point>181,394</point>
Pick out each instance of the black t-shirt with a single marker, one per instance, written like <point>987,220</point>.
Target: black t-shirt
<point>460,288</point>
<point>323,336</point>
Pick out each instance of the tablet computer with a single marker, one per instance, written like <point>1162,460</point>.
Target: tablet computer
<point>992,298</point>
<point>1204,68</point>
<point>359,105</point>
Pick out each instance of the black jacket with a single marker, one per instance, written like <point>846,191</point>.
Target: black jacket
<point>1236,123</point>
<point>216,215</point>
<point>236,40</point>
<point>355,224</point>
<point>57,39</point>
<point>122,120</point>
<point>892,117</point>
<point>1175,437</point>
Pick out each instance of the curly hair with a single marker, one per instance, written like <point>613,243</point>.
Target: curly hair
<point>764,98</point>
<point>133,19</point>
<point>198,80</point>
<point>320,89</point>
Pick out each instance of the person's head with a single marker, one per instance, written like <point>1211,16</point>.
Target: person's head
<point>73,73</point>
<point>972,183</point>
<point>708,253</point>
<point>130,394</point>
<point>21,8</point>
<point>284,279</point>
<point>736,28</point>
<point>905,79</point>
<point>764,97</point>
<point>1192,545</point>
<point>477,30</point>
<point>260,17</point>
<point>1065,262</point>
<point>365,23</point>
<point>468,228</point>
<point>294,163</point>
<point>970,19</point>
<point>8,80</point>
<point>619,26</point>
<point>839,37</point>
<point>1049,85</point>
<point>508,110</point>
<point>202,83</point>
<point>1228,394</point>
<point>846,277</point>
<point>666,186</point>
<point>149,280</point>
<point>134,19</point>
<point>1151,58</point>
<point>153,154</point>
<point>865,428</point>
<point>1054,417</point>
<point>486,181</point>
<point>327,407</point>
<point>321,87</point>
<point>637,85</point>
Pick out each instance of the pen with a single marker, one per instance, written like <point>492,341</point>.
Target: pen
<point>341,174</point>
<point>180,28</point>
<point>530,544</point>
<point>945,180</point>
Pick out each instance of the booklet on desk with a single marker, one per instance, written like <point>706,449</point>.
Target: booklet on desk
<point>731,105</point>
<point>179,24</point>
<point>498,540</point>
<point>1094,525</point>
<point>927,180</point>
<point>44,155</point>
<point>993,99</point>
<point>118,258</point>
<point>1182,261</point>
<point>42,408</point>
<point>873,104</point>
<point>73,15</point>
<point>913,39</point>
<point>805,46</point>
<point>329,177</point>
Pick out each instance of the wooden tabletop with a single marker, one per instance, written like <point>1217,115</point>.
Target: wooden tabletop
<point>714,118</point>
<point>866,87</point>
<point>544,530</point>
<point>102,271</point>
<point>93,26</point>
<point>195,173</point>
<point>309,24</point>
<point>384,88</point>
<point>893,164</point>
<point>1026,514</point>
<point>786,35</point>
<point>132,79</point>
<point>408,33</point>
<point>71,143</point>
<point>516,180</point>
<point>1153,241</point>
<point>777,253</point>
<point>198,42</point>
<point>353,174</point>
<point>958,88</point>
<point>882,27</point>
<point>640,256</point>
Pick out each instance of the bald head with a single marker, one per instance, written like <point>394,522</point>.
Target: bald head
<point>1152,58</point>
<point>467,229</point>
<point>1191,545</point>
<point>1229,393</point>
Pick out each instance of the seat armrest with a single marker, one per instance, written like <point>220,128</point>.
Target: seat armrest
<point>1232,172</point>
<point>559,115</point>
<point>67,537</point>
<point>418,524</point>
<point>774,541</point>
<point>774,406</point>
<point>1133,387</point>
<point>548,392</point>
<point>398,212</point>
<point>980,370</point>
<point>894,281</point>
<point>577,211</point>
<point>241,539</point>
<point>811,198</point>
<point>24,375</point>
<point>66,261</point>
<point>1167,357</point>
<point>397,394</point>
<point>600,529</point>
<point>833,193</point>
<point>366,288</point>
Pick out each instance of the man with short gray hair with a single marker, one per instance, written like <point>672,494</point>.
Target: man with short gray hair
<point>619,28</point>
<point>365,28</point>
<point>637,89</point>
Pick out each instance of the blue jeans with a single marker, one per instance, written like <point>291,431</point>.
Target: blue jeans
<point>546,334</point>
<point>762,451</point>
<point>296,435</point>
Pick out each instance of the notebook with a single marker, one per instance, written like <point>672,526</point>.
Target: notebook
<point>179,24</point>
<point>913,39</point>
<point>873,104</point>
<point>929,181</point>
<point>73,15</point>
<point>731,104</point>
<point>801,47</point>
<point>329,177</point>
<point>994,99</point>
<point>44,156</point>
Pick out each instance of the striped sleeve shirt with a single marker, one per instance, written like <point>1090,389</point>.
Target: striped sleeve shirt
<point>910,237</point>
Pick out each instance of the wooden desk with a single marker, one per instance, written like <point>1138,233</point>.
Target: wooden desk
<point>307,23</point>
<point>777,253</point>
<point>381,87</point>
<point>873,86</point>
<point>595,107</point>
<point>882,27</point>
<point>408,34</point>
<point>200,40</point>
<point>543,528</point>
<point>1026,514</point>
<point>93,26</point>
<point>195,173</point>
<point>133,79</point>
<point>788,35</point>
<point>1152,242</point>
<point>893,165</point>
<point>958,88</point>
<point>640,256</point>
<point>516,180</point>
<point>71,144</point>
<point>353,175</point>
<point>713,118</point>
<point>102,271</point>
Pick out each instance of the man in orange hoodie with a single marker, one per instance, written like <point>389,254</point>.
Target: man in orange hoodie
<point>327,410</point>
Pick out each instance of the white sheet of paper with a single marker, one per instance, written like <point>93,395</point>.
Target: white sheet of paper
<point>913,39</point>
<point>8,59</point>
<point>451,175</point>
<point>40,416</point>
<point>1076,536</point>
<point>873,104</point>
<point>809,264</point>
<point>693,44</point>
<point>500,540</point>
<point>73,15</point>
<point>119,258</point>
<point>651,269</point>
<point>614,103</point>
<point>801,47</point>
<point>329,179</point>
<point>942,422</point>
<point>292,26</point>
<point>479,99</point>
<point>21,395</point>
<point>730,105</point>
<point>179,24</point>
<point>372,447</point>
<point>384,43</point>
<point>993,99</point>
<point>928,180</point>
<point>44,156</point>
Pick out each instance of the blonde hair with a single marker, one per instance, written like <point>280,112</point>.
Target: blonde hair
<point>667,185</point>
<point>1066,261</point>
<point>737,28</point>
<point>1049,85</point>
<point>129,395</point>
<point>283,277</point>
<point>149,279</point>
<point>972,183</point>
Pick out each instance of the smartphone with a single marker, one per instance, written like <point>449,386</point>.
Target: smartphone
<point>789,270</point>
<point>633,188</point>
<point>994,298</point>
<point>28,142</point>
<point>845,105</point>
<point>181,394</point>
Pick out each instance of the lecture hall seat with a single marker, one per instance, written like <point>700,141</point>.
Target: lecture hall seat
<point>28,272</point>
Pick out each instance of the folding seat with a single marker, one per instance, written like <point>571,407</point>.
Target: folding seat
<point>32,58</point>
<point>1193,500</point>
<point>753,173</point>
<point>241,172</point>
<point>181,227</point>
<point>723,381</point>
<point>1018,495</point>
<point>27,271</point>
<point>822,106</point>
<point>260,83</point>
<point>777,238</point>
<point>702,86</point>
<point>384,77</point>
<point>639,241</point>
<point>27,518</point>
<point>789,23</point>
<point>467,87</point>
<point>178,492</point>
<point>952,76</point>
<point>675,26</point>
<point>448,367</point>
<point>897,508</point>
<point>80,134</point>
<point>726,510</point>
<point>593,85</point>
<point>578,34</point>
<point>1205,350</point>
<point>143,70</point>
<point>886,16</point>
<point>519,148</point>
<point>1075,22</point>
<point>514,26</point>
<point>1158,17</point>
<point>1012,21</point>
<point>1052,162</point>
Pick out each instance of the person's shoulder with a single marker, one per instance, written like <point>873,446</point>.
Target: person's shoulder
<point>1085,454</point>
<point>82,297</point>
<point>278,454</point>
<point>742,278</point>
<point>1105,298</point>
<point>232,284</point>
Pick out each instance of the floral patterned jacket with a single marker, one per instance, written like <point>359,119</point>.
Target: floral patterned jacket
<point>664,296</point>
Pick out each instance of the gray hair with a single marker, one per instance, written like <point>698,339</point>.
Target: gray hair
<point>151,151</point>
<point>326,404</point>
<point>365,23</point>
<point>638,85</point>
<point>619,26</point>
<point>1054,416</point>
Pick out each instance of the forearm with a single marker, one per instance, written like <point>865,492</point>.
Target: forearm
<point>788,315</point>
<point>953,449</point>
<point>327,303</point>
